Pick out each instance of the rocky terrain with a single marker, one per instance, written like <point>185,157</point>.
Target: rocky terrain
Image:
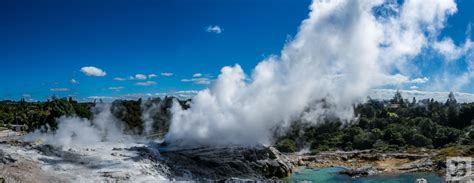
<point>369,162</point>
<point>36,162</point>
<point>221,163</point>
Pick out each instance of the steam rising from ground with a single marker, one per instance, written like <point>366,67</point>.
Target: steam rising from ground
<point>80,132</point>
<point>95,150</point>
<point>342,49</point>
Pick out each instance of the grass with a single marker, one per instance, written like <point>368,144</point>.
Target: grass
<point>458,150</point>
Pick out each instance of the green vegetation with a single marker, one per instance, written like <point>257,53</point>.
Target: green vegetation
<point>38,114</point>
<point>287,145</point>
<point>391,125</point>
<point>44,115</point>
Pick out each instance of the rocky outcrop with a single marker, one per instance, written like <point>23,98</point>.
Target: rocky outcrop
<point>367,162</point>
<point>226,163</point>
<point>359,172</point>
<point>6,158</point>
<point>425,164</point>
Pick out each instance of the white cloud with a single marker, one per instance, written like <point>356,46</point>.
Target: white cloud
<point>451,81</point>
<point>451,51</point>
<point>93,71</point>
<point>420,80</point>
<point>214,29</point>
<point>59,89</point>
<point>399,79</point>
<point>201,81</point>
<point>140,77</point>
<point>152,76</point>
<point>120,79</point>
<point>188,92</point>
<point>197,75</point>
<point>167,74</point>
<point>146,83</point>
<point>394,79</point>
<point>116,88</point>
<point>74,81</point>
<point>413,87</point>
<point>448,49</point>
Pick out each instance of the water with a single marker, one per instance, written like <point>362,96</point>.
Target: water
<point>330,175</point>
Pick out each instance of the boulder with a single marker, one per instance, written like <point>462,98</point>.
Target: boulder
<point>225,162</point>
<point>6,158</point>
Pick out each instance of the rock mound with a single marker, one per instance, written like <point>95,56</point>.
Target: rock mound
<point>224,163</point>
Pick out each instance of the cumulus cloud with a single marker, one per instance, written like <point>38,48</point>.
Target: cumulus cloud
<point>59,89</point>
<point>200,81</point>
<point>395,79</point>
<point>340,52</point>
<point>146,83</point>
<point>451,51</point>
<point>120,79</point>
<point>93,71</point>
<point>420,80</point>
<point>214,29</point>
<point>74,81</point>
<point>139,77</point>
<point>116,88</point>
<point>398,79</point>
<point>152,76</point>
<point>167,74</point>
<point>448,49</point>
<point>197,75</point>
<point>413,87</point>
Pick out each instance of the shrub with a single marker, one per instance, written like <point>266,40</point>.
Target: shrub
<point>286,145</point>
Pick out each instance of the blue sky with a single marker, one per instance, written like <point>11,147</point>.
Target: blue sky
<point>44,44</point>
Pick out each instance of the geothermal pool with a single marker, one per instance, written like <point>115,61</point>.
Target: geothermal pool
<point>331,175</point>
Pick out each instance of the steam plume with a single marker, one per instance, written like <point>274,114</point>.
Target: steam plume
<point>77,132</point>
<point>343,49</point>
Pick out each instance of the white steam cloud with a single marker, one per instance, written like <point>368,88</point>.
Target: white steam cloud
<point>343,49</point>
<point>79,132</point>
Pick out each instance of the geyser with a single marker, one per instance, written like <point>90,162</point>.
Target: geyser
<point>343,49</point>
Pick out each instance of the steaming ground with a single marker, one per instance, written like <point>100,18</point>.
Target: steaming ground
<point>82,150</point>
<point>94,163</point>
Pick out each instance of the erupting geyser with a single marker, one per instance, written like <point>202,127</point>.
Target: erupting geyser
<point>341,51</point>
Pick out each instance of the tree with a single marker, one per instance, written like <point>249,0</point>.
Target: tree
<point>397,98</point>
<point>286,145</point>
<point>420,141</point>
<point>451,99</point>
<point>392,135</point>
<point>363,141</point>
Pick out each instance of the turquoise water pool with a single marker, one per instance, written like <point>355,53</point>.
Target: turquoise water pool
<point>331,175</point>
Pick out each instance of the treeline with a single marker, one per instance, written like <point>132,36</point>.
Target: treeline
<point>34,115</point>
<point>134,113</point>
<point>385,125</point>
<point>389,125</point>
